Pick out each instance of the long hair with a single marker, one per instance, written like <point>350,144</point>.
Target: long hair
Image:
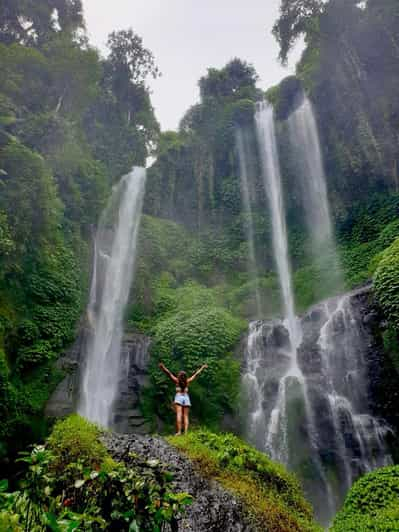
<point>182,378</point>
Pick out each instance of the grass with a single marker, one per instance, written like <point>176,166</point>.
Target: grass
<point>272,496</point>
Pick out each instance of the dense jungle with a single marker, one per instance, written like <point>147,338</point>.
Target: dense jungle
<point>206,281</point>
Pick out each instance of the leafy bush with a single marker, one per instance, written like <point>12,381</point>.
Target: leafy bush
<point>371,504</point>
<point>271,495</point>
<point>386,283</point>
<point>91,493</point>
<point>75,439</point>
<point>195,332</point>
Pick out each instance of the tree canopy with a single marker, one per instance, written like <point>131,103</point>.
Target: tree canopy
<point>31,22</point>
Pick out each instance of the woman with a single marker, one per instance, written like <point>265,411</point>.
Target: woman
<point>182,399</point>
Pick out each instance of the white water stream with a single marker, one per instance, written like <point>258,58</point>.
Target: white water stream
<point>242,147</point>
<point>311,180</point>
<point>113,266</point>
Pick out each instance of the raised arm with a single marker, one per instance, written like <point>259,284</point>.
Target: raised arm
<point>168,373</point>
<point>193,377</point>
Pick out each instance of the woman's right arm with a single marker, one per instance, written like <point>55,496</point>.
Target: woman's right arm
<point>168,373</point>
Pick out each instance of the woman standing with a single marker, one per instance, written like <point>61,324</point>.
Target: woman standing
<point>182,399</point>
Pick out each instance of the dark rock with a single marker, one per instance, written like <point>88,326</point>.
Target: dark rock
<point>63,400</point>
<point>134,362</point>
<point>213,510</point>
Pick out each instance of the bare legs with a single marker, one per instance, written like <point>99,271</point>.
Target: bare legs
<point>186,410</point>
<point>182,418</point>
<point>179,418</point>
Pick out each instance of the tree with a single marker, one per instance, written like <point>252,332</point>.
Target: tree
<point>233,80</point>
<point>32,22</point>
<point>296,18</point>
<point>128,60</point>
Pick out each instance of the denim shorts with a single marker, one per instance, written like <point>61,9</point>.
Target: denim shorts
<point>182,399</point>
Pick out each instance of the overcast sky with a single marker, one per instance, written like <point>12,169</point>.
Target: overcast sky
<point>188,36</point>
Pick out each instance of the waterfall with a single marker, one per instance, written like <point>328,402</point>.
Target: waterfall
<point>291,378</point>
<point>113,265</point>
<point>270,165</point>
<point>306,379</point>
<point>329,435</point>
<point>310,174</point>
<point>243,149</point>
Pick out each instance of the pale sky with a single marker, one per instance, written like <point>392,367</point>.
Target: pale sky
<point>189,36</point>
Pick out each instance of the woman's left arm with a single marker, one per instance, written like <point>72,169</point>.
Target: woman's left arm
<point>195,375</point>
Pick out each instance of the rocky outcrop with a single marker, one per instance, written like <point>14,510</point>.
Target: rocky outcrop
<point>213,509</point>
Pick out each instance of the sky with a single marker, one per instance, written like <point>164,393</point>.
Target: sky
<point>189,36</point>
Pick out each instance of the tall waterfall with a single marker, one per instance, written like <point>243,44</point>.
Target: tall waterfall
<point>243,150</point>
<point>276,434</point>
<point>306,379</point>
<point>305,145</point>
<point>272,182</point>
<point>113,265</point>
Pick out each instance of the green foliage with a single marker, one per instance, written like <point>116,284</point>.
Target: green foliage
<point>73,484</point>
<point>296,18</point>
<point>317,281</point>
<point>194,333</point>
<point>371,504</point>
<point>391,345</point>
<point>71,124</point>
<point>29,184</point>
<point>286,97</point>
<point>236,78</point>
<point>75,439</point>
<point>130,61</point>
<point>243,112</point>
<point>32,23</point>
<point>271,496</point>
<point>386,283</point>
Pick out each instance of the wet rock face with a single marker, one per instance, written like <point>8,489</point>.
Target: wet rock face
<point>213,509</point>
<point>63,400</point>
<point>328,408</point>
<point>133,377</point>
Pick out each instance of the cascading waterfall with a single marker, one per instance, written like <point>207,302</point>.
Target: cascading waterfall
<point>242,147</point>
<point>310,174</point>
<point>276,429</point>
<point>306,379</point>
<point>113,265</point>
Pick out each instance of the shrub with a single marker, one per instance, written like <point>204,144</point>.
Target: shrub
<point>371,504</point>
<point>185,340</point>
<point>63,493</point>
<point>386,283</point>
<point>76,439</point>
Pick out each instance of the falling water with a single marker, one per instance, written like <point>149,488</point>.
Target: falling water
<point>322,425</point>
<point>305,145</point>
<point>306,379</point>
<point>270,165</point>
<point>277,424</point>
<point>242,146</point>
<point>114,258</point>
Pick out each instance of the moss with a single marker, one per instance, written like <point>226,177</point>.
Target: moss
<point>271,496</point>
